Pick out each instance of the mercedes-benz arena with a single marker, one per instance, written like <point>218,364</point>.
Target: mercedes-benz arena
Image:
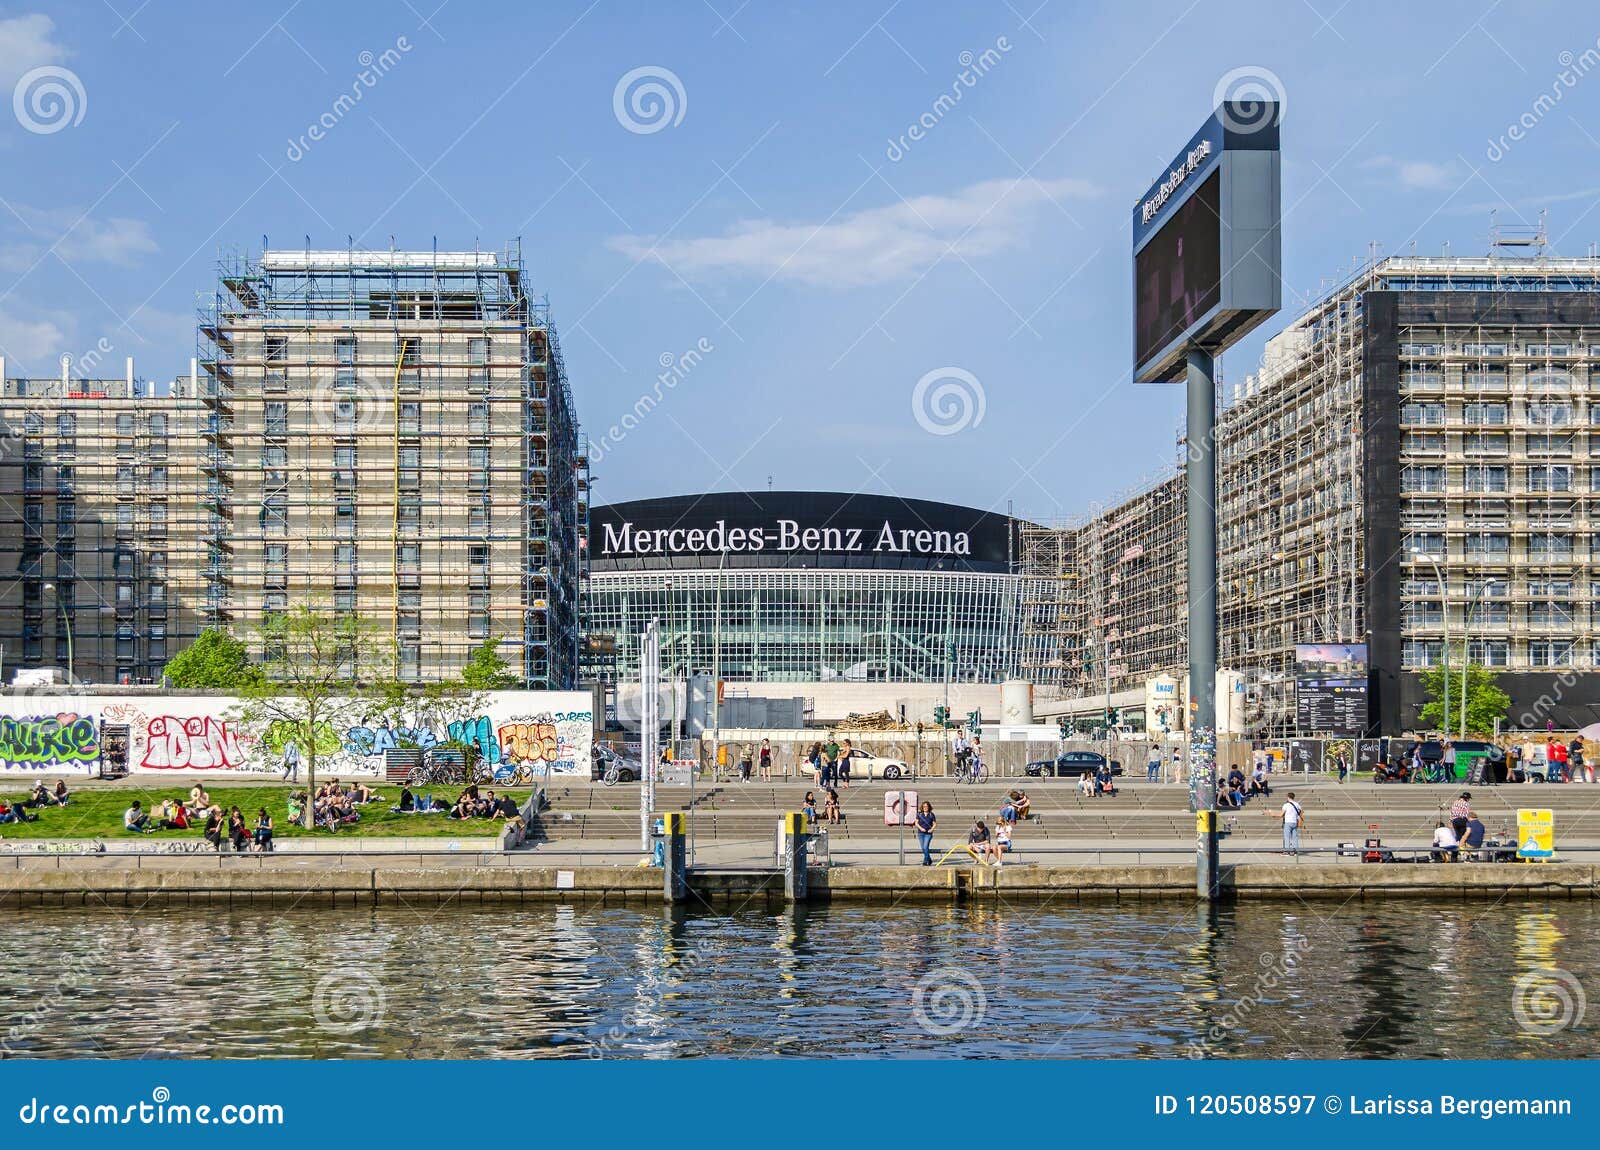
<point>806,586</point>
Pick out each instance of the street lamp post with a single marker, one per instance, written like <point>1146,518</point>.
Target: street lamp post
<point>1444,598</point>
<point>716,670</point>
<point>66,620</point>
<point>1466,643</point>
<point>672,668</point>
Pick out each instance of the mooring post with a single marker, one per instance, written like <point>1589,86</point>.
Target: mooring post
<point>674,867</point>
<point>793,828</point>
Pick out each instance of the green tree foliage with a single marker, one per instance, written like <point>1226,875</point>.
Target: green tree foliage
<point>1486,702</point>
<point>322,674</point>
<point>487,671</point>
<point>215,661</point>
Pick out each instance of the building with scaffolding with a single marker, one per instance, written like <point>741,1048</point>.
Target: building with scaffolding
<point>99,526</point>
<point>1410,464</point>
<point>392,434</point>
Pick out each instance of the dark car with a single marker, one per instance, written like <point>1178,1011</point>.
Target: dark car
<point>628,770</point>
<point>1071,765</point>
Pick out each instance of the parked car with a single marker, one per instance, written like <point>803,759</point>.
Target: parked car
<point>1070,765</point>
<point>866,765</point>
<point>628,770</point>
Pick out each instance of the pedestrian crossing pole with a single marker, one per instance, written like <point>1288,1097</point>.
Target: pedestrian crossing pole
<point>1201,474</point>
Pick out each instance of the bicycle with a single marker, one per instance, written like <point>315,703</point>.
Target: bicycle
<point>613,774</point>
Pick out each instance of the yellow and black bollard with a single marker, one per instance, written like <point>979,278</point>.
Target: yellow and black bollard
<point>674,868</point>
<point>792,829</point>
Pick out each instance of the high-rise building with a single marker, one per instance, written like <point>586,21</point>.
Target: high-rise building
<point>392,434</point>
<point>99,525</point>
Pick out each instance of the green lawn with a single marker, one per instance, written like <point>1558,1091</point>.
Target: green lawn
<point>95,811</point>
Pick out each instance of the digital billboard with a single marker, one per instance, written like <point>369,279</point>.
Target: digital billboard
<point>1179,272</point>
<point>1330,689</point>
<point>1206,242</point>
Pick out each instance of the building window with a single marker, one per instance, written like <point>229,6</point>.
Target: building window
<point>1431,478</point>
<point>1485,478</point>
<point>277,417</point>
<point>1548,546</point>
<point>410,661</point>
<point>1488,544</point>
<point>1551,653</point>
<point>1492,414</point>
<point>411,418</point>
<point>1425,543</point>
<point>1489,652</point>
<point>274,455</point>
<point>478,350</point>
<point>1550,477</point>
<point>1422,652</point>
<point>66,424</point>
<point>1549,414</point>
<point>344,351</point>
<point>344,516</point>
<point>277,348</point>
<point>1426,414</point>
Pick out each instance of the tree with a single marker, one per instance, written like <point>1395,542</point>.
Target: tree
<point>321,673</point>
<point>487,671</point>
<point>1486,702</point>
<point>214,661</point>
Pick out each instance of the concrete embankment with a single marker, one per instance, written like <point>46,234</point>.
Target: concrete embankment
<point>495,879</point>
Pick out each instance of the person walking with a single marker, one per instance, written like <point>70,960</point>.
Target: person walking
<point>746,759</point>
<point>291,762</point>
<point>1582,771</point>
<point>764,761</point>
<point>926,824</point>
<point>1449,761</point>
<point>1177,764</point>
<point>1294,818</point>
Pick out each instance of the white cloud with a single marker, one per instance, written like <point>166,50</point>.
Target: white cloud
<point>76,238</point>
<point>25,43</point>
<point>30,345</point>
<point>872,246</point>
<point>1415,175</point>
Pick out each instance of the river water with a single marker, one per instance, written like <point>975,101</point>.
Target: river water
<point>1398,978</point>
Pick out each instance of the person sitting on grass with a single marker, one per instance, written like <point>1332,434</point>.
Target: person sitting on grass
<point>297,806</point>
<point>41,796</point>
<point>509,808</point>
<point>408,801</point>
<point>361,794</point>
<point>200,802</point>
<point>135,819</point>
<point>172,816</point>
<point>62,794</point>
<point>14,812</point>
<point>263,834</point>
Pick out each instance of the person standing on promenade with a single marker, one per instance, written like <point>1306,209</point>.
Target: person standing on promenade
<point>764,761</point>
<point>830,770</point>
<point>926,823</point>
<point>1294,817</point>
<point>1152,766</point>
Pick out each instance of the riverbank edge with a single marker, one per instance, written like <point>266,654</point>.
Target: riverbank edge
<point>90,882</point>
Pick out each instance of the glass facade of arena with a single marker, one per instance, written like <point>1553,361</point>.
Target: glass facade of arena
<point>799,625</point>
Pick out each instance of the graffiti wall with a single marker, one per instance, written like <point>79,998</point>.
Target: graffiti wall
<point>542,730</point>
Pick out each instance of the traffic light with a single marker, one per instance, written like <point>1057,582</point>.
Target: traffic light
<point>1061,725</point>
<point>974,721</point>
<point>941,715</point>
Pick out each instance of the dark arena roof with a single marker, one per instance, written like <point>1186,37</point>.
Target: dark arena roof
<point>797,529</point>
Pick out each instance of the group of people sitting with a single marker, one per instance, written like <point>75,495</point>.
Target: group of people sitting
<point>1234,790</point>
<point>17,810</point>
<point>1094,784</point>
<point>468,805</point>
<point>831,814</point>
<point>334,805</point>
<point>175,814</point>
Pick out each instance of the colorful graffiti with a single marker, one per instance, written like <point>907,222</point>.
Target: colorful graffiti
<point>66,738</point>
<point>205,733</point>
<point>196,743</point>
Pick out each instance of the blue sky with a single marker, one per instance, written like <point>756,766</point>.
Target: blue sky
<point>758,203</point>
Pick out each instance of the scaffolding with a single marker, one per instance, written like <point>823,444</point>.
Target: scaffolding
<point>395,428</point>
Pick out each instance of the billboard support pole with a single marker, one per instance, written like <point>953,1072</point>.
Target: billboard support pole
<point>1201,474</point>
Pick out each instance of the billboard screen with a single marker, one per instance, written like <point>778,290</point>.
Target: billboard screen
<point>1178,274</point>
<point>1330,688</point>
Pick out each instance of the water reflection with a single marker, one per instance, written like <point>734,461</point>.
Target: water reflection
<point>1132,980</point>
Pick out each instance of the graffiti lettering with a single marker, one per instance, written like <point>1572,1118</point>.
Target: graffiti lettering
<point>376,740</point>
<point>535,742</point>
<point>198,743</point>
<point>64,738</point>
